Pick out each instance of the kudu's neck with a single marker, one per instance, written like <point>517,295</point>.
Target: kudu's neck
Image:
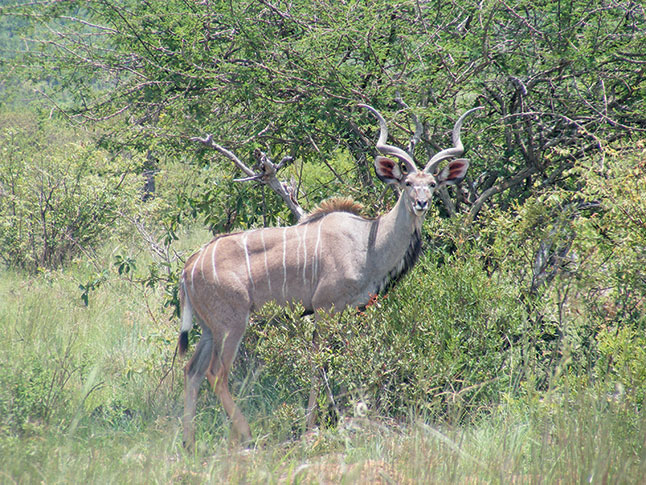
<point>400,222</point>
<point>397,241</point>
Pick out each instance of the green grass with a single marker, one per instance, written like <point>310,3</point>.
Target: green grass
<point>93,394</point>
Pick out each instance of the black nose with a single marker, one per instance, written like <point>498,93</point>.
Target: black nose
<point>422,204</point>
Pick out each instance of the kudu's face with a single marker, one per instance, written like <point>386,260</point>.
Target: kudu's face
<point>419,185</point>
<point>397,167</point>
<point>419,188</point>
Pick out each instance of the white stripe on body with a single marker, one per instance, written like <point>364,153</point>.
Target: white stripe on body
<point>199,259</point>
<point>298,249</point>
<point>315,265</point>
<point>284,262</point>
<point>264,252</point>
<point>215,272</point>
<point>304,253</point>
<point>245,236</point>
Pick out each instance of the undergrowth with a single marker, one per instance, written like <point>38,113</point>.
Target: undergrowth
<point>94,393</point>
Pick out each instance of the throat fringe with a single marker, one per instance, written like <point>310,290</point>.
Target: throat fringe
<point>405,264</point>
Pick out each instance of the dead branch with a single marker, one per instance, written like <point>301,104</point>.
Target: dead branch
<point>265,174</point>
<point>497,188</point>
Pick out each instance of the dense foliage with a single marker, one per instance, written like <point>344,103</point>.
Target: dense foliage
<point>559,79</point>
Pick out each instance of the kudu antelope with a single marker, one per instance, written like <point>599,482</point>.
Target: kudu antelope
<point>332,259</point>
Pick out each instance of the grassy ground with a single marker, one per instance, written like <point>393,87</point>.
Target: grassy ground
<point>93,394</point>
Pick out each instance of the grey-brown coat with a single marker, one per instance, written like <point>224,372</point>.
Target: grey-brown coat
<point>333,259</point>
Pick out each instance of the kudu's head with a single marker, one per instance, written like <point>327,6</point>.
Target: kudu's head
<point>397,167</point>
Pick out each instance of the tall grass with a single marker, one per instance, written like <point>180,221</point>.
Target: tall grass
<point>93,394</point>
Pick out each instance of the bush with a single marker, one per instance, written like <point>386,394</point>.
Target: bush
<point>543,294</point>
<point>445,341</point>
<point>613,246</point>
<point>59,195</point>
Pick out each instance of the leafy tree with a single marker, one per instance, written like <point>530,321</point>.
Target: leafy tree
<point>560,79</point>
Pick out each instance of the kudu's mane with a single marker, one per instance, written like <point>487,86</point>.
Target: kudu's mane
<point>334,204</point>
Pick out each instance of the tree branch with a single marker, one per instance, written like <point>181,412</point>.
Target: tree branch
<point>497,188</point>
<point>266,173</point>
<point>419,126</point>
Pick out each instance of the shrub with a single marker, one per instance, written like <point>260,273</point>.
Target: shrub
<point>59,195</point>
<point>446,340</point>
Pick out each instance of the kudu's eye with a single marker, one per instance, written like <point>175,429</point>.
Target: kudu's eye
<point>432,185</point>
<point>407,183</point>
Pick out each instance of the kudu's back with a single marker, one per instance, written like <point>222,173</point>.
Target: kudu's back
<point>318,263</point>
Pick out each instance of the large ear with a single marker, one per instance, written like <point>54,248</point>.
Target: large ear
<point>454,172</point>
<point>388,170</point>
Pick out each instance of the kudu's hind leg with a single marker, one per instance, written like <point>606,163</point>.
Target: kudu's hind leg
<point>193,375</point>
<point>218,376</point>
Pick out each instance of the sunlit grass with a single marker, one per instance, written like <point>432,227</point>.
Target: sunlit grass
<point>92,394</point>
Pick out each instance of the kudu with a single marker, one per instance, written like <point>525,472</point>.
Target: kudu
<point>332,259</point>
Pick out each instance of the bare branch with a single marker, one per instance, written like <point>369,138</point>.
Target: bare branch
<point>208,141</point>
<point>501,187</point>
<point>85,22</point>
<point>266,173</point>
<point>285,160</point>
<point>248,179</point>
<point>284,190</point>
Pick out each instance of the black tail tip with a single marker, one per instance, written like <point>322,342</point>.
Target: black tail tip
<point>183,343</point>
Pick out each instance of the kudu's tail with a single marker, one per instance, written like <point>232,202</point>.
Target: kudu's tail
<point>187,317</point>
